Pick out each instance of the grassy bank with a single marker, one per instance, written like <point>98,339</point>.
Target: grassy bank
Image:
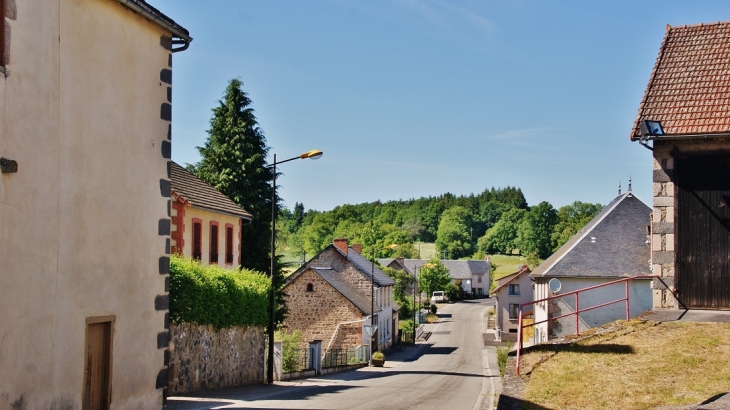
<point>637,365</point>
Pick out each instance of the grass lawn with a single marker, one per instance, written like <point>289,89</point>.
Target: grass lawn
<point>636,365</point>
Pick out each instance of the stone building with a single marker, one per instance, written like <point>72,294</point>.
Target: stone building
<point>328,299</point>
<point>85,119</point>
<point>206,225</point>
<point>684,119</point>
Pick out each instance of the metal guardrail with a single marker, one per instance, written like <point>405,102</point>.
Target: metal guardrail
<point>576,312</point>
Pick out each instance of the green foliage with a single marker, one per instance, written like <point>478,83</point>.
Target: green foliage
<point>535,229</point>
<point>453,292</point>
<point>502,356</point>
<point>378,355</point>
<point>210,295</point>
<point>291,353</point>
<point>407,325</point>
<point>233,160</point>
<point>570,219</point>
<point>434,276</point>
<point>502,237</point>
<point>453,234</point>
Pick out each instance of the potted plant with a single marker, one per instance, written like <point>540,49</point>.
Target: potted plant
<point>378,359</point>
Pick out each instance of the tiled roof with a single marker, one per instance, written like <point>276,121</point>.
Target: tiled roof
<point>345,289</point>
<point>458,269</point>
<point>195,192</point>
<point>612,244</point>
<point>380,278</point>
<point>511,277</point>
<point>157,16</point>
<point>689,87</point>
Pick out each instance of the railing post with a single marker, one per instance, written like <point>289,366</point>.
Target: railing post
<point>519,340</point>
<point>627,299</point>
<point>577,315</point>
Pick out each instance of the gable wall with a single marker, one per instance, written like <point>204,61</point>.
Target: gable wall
<point>317,313</point>
<point>84,223</point>
<point>664,213</point>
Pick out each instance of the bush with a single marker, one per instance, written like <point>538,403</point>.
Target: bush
<point>291,353</point>
<point>378,355</point>
<point>407,325</point>
<point>211,295</point>
<point>502,355</point>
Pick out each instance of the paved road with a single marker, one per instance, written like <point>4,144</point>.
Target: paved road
<point>451,372</point>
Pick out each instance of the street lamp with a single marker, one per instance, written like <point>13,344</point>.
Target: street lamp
<point>313,154</point>
<point>373,326</point>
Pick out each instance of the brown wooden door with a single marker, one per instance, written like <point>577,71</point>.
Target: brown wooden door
<point>98,366</point>
<point>703,231</point>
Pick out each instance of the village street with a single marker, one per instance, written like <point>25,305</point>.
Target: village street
<point>449,371</point>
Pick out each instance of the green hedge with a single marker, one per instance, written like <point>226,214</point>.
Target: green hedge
<point>211,295</point>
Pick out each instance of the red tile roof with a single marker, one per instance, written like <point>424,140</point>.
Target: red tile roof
<point>193,191</point>
<point>689,87</point>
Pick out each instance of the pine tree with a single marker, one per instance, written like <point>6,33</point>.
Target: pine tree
<point>233,160</point>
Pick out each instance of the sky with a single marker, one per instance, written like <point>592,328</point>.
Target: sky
<point>411,99</point>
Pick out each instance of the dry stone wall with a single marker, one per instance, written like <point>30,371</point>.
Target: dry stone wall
<point>202,358</point>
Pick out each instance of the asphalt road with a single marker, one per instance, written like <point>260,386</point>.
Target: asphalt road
<point>450,372</point>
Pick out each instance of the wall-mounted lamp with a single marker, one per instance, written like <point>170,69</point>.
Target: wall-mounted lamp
<point>649,128</point>
<point>8,166</point>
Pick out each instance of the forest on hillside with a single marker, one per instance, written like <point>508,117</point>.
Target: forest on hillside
<point>496,221</point>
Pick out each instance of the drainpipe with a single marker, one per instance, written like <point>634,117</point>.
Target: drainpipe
<point>179,36</point>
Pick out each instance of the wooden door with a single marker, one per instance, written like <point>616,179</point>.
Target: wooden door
<point>97,380</point>
<point>703,231</point>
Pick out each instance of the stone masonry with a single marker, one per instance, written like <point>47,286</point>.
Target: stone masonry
<point>205,359</point>
<point>316,313</point>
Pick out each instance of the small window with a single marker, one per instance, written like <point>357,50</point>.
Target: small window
<point>197,240</point>
<point>213,242</point>
<point>479,279</point>
<point>229,244</point>
<point>514,310</point>
<point>310,287</point>
<point>514,289</point>
<point>512,331</point>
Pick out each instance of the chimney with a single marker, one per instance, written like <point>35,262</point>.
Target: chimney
<point>341,244</point>
<point>357,247</point>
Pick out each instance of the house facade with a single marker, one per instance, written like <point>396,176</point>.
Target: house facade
<point>611,246</point>
<point>688,96</point>
<point>331,294</point>
<point>205,224</point>
<point>511,291</point>
<point>85,119</point>
<point>472,275</point>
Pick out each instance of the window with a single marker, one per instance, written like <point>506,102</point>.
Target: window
<point>213,242</point>
<point>229,244</point>
<point>197,239</point>
<point>310,287</point>
<point>514,310</point>
<point>512,331</point>
<point>479,279</point>
<point>514,289</point>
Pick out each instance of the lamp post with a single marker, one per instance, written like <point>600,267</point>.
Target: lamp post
<point>415,269</point>
<point>313,154</point>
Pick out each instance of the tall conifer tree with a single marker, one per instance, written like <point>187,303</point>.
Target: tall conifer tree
<point>233,160</point>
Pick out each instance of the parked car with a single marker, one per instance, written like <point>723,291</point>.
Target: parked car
<point>439,296</point>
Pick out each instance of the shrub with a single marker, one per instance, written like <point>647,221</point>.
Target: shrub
<point>291,353</point>
<point>378,355</point>
<point>431,318</point>
<point>211,295</point>
<point>502,355</point>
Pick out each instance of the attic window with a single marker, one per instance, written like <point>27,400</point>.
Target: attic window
<point>310,287</point>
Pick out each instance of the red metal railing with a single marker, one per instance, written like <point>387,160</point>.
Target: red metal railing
<point>577,310</point>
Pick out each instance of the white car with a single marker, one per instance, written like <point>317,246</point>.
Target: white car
<point>439,297</point>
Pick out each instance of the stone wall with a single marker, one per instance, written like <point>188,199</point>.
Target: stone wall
<point>663,240</point>
<point>316,313</point>
<point>202,358</point>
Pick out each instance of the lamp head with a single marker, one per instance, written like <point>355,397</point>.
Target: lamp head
<point>313,154</point>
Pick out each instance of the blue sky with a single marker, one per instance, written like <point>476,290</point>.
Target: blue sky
<point>413,98</point>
